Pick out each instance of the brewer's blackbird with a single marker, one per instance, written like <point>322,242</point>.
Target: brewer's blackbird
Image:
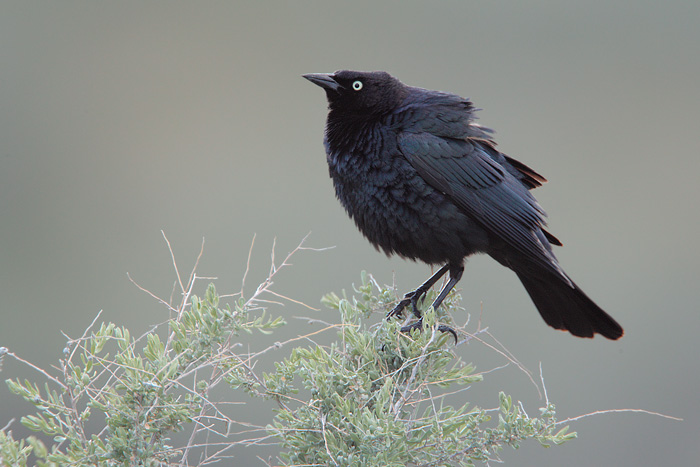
<point>422,180</point>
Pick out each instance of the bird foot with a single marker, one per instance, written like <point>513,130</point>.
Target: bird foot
<point>419,325</point>
<point>411,298</point>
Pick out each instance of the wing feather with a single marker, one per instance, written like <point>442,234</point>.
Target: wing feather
<point>484,189</point>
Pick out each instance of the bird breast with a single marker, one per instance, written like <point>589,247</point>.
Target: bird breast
<point>394,207</point>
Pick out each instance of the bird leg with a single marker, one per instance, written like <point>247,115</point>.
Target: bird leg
<point>413,297</point>
<point>455,276</point>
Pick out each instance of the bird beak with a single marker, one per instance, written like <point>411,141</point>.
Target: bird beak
<point>325,80</point>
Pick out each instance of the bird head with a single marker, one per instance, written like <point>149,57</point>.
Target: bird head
<point>365,92</point>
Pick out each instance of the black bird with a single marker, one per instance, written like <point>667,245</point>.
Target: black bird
<point>422,180</point>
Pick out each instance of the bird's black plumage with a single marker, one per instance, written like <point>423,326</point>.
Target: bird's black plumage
<point>422,180</point>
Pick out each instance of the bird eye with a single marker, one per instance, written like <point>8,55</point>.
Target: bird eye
<point>357,85</point>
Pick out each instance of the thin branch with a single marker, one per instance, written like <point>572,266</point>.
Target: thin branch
<point>292,300</point>
<point>151,294</point>
<point>510,357</point>
<point>544,388</point>
<point>247,264</point>
<point>40,370</point>
<point>172,255</point>
<point>196,263</point>
<point>599,412</point>
<point>325,440</point>
<point>84,335</point>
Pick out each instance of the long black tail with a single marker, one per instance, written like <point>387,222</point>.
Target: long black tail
<point>565,307</point>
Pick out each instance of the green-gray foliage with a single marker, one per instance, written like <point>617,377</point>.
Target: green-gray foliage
<point>143,394</point>
<point>373,397</point>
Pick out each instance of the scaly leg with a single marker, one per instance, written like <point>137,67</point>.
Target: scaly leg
<point>413,297</point>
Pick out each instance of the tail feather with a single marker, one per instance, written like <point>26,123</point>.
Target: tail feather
<point>568,308</point>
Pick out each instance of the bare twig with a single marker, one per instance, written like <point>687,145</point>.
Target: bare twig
<point>247,264</point>
<point>40,370</point>
<point>509,356</point>
<point>170,307</point>
<point>599,412</point>
<point>172,256</point>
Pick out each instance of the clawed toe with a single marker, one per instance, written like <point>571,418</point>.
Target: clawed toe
<point>445,328</point>
<point>419,325</point>
<point>411,298</point>
<point>415,325</point>
<point>398,309</point>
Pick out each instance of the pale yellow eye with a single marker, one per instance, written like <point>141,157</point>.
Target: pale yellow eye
<point>357,85</point>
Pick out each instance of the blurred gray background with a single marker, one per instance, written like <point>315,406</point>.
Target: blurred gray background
<point>121,119</point>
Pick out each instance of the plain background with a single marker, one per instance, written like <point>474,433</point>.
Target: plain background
<point>121,119</point>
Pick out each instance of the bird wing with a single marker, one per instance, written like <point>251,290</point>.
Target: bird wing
<point>485,190</point>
